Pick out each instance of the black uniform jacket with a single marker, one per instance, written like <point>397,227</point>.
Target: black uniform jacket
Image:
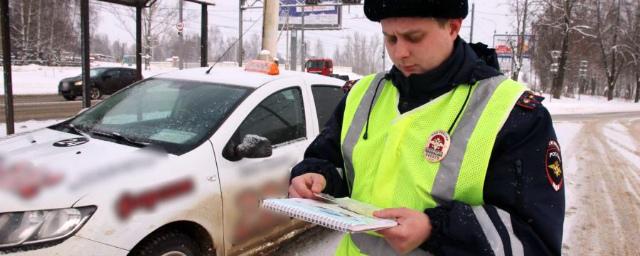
<point>523,209</point>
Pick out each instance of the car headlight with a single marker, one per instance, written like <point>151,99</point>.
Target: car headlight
<point>78,83</point>
<point>32,227</point>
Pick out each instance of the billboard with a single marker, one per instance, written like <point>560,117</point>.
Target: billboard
<point>322,16</point>
<point>504,44</point>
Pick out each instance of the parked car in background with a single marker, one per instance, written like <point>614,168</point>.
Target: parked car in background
<point>104,80</point>
<point>146,171</point>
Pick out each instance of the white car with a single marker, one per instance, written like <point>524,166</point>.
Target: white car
<point>175,164</point>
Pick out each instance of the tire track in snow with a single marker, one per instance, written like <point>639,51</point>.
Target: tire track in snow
<point>605,218</point>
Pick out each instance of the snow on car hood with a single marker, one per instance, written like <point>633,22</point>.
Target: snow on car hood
<point>48,169</point>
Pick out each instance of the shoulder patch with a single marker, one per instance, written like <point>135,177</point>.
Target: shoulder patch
<point>348,85</point>
<point>529,100</point>
<point>553,165</point>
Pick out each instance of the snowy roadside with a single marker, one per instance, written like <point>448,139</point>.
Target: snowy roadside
<point>36,79</point>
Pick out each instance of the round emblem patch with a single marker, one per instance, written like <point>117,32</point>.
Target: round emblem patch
<point>437,146</point>
<point>553,163</point>
<point>71,142</point>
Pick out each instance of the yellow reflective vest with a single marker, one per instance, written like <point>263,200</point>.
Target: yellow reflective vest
<point>385,156</point>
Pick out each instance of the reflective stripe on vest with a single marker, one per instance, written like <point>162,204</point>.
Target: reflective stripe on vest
<point>447,176</point>
<point>359,120</point>
<point>448,172</point>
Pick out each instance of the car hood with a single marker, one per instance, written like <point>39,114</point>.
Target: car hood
<point>71,79</point>
<point>76,78</point>
<point>47,169</point>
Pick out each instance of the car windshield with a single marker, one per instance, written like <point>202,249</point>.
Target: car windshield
<point>315,64</point>
<point>95,72</point>
<point>176,115</point>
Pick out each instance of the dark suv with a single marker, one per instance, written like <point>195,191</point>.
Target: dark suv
<point>103,81</point>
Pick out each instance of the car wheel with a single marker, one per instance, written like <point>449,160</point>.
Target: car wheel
<point>95,93</point>
<point>69,97</point>
<point>169,243</point>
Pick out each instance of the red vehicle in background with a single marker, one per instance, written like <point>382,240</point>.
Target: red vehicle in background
<point>323,67</point>
<point>319,66</point>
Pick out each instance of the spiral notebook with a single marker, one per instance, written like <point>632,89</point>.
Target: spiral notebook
<point>327,214</point>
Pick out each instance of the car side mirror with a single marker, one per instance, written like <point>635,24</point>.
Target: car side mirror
<point>252,146</point>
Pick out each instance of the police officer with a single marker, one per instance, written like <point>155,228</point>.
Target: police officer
<point>463,158</point>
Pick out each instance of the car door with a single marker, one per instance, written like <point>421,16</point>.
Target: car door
<point>129,76</point>
<point>326,98</point>
<point>110,81</point>
<point>276,112</point>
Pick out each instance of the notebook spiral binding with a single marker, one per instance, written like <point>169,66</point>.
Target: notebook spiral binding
<point>312,218</point>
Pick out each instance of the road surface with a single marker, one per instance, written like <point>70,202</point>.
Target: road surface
<point>602,168</point>
<point>42,107</point>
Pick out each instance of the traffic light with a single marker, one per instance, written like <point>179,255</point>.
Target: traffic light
<point>351,1</point>
<point>311,2</point>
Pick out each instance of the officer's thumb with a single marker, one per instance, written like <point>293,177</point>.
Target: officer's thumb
<point>390,213</point>
<point>318,183</point>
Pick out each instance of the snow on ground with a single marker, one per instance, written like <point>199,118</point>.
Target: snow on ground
<point>36,79</point>
<point>26,126</point>
<point>588,104</point>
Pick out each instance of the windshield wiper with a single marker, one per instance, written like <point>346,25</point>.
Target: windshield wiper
<point>119,138</point>
<point>78,130</point>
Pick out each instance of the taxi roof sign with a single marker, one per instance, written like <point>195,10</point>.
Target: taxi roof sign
<point>262,66</point>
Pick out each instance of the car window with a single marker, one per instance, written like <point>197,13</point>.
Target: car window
<point>131,73</point>
<point>326,99</point>
<point>174,114</point>
<point>95,72</point>
<point>279,118</point>
<point>115,73</point>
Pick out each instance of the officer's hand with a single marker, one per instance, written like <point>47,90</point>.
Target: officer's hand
<point>413,229</point>
<point>306,185</point>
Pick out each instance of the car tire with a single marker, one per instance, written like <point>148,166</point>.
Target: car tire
<point>69,97</point>
<point>95,93</point>
<point>168,243</point>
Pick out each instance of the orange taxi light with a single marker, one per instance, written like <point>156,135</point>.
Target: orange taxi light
<point>262,66</point>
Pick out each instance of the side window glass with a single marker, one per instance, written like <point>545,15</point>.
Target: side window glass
<point>279,118</point>
<point>326,99</point>
<point>113,73</point>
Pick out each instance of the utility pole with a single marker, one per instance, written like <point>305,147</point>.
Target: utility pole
<point>84,42</point>
<point>240,51</point>
<point>303,45</point>
<point>180,34</point>
<point>204,35</point>
<point>294,49</point>
<point>473,12</point>
<point>270,26</point>
<point>6,65</point>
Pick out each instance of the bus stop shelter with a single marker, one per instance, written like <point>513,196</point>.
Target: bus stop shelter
<point>85,46</point>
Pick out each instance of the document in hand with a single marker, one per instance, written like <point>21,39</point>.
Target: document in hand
<point>328,214</point>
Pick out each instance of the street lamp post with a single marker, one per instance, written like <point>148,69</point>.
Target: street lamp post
<point>582,73</point>
<point>555,55</point>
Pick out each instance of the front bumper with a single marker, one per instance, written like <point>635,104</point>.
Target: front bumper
<point>69,89</point>
<point>75,245</point>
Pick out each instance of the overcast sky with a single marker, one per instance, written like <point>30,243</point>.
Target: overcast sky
<point>490,16</point>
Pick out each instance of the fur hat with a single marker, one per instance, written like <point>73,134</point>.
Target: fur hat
<point>376,10</point>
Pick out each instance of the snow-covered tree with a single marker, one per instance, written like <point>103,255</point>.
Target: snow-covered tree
<point>44,31</point>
